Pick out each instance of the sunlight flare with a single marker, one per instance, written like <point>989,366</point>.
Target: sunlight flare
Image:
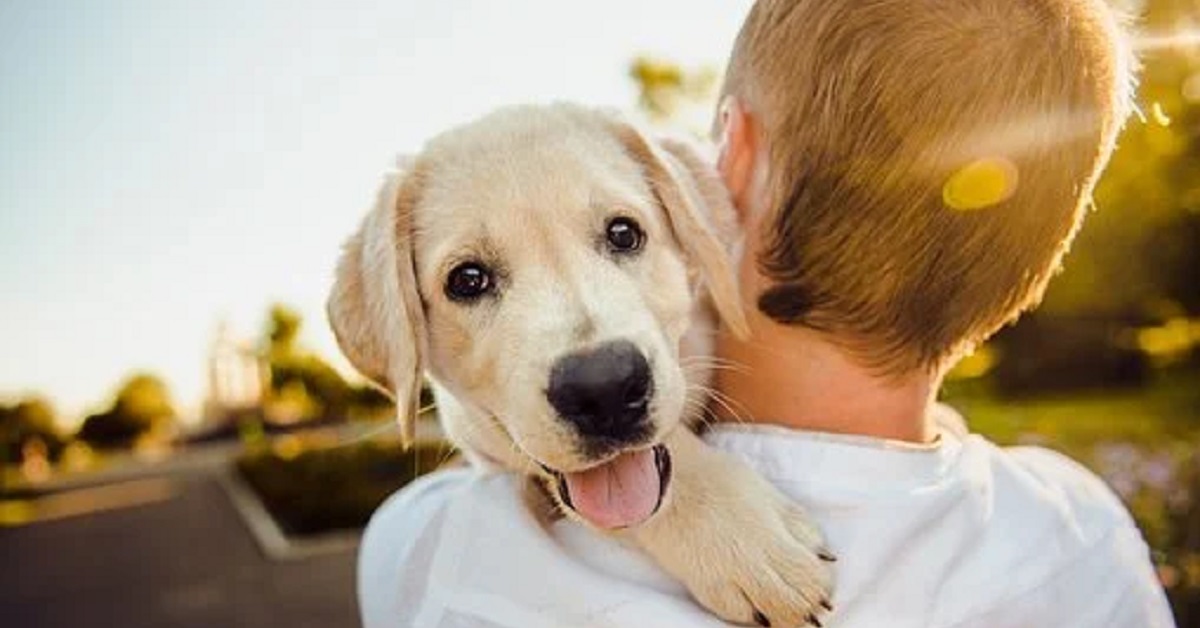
<point>1182,39</point>
<point>980,184</point>
<point>1160,115</point>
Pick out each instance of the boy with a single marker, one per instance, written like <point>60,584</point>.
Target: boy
<point>908,175</point>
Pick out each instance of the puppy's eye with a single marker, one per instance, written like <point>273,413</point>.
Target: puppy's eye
<point>624,235</point>
<point>468,281</point>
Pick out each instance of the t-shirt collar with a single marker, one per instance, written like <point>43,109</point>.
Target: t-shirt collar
<point>792,455</point>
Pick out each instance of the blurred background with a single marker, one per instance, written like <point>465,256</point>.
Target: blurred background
<point>181,442</point>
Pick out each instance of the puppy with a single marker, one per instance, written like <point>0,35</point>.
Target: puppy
<point>550,269</point>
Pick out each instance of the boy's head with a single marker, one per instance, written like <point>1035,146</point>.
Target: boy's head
<point>920,166</point>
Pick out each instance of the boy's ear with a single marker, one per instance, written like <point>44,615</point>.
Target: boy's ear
<point>693,200</point>
<point>375,307</point>
<point>738,152</point>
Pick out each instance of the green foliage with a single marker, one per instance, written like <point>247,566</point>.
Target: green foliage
<point>24,423</point>
<point>306,383</point>
<point>141,404</point>
<point>312,375</point>
<point>1046,354</point>
<point>283,328</point>
<point>1137,253</point>
<point>327,489</point>
<point>667,92</point>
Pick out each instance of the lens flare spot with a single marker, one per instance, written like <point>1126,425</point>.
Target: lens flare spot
<point>1160,116</point>
<point>1191,88</point>
<point>980,184</point>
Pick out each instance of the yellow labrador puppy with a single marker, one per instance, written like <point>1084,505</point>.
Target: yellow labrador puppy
<point>544,266</point>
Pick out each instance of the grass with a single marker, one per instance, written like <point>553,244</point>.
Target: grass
<point>1164,413</point>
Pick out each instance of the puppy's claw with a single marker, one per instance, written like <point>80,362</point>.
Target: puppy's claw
<point>761,619</point>
<point>812,619</point>
<point>826,555</point>
<point>826,605</point>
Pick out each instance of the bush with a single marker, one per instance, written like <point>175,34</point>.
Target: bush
<point>140,405</point>
<point>1047,354</point>
<point>319,490</point>
<point>111,430</point>
<point>27,422</point>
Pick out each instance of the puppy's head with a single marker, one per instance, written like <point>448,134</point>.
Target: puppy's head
<point>542,264</point>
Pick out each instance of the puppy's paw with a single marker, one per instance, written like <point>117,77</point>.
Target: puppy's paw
<point>742,549</point>
<point>773,571</point>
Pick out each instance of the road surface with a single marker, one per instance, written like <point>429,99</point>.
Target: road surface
<point>179,556</point>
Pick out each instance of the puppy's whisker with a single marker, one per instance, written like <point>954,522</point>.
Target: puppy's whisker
<point>706,368</point>
<point>369,435</point>
<point>707,416</point>
<point>706,359</point>
<point>739,414</point>
<point>446,457</point>
<point>710,416</point>
<point>694,406</point>
<point>703,363</point>
<point>696,403</point>
<point>725,402</point>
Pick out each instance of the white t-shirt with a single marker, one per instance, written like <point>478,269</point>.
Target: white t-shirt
<point>960,534</point>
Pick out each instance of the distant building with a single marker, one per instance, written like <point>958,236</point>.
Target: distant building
<point>237,376</point>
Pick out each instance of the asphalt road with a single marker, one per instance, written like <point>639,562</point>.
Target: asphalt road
<point>184,560</point>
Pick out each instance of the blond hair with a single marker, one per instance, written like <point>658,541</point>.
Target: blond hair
<point>872,110</point>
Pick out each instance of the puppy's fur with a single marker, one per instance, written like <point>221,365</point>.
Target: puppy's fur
<point>527,192</point>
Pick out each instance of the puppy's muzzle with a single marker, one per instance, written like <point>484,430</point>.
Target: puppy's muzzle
<point>604,394</point>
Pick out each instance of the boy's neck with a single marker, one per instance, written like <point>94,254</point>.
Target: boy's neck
<point>793,377</point>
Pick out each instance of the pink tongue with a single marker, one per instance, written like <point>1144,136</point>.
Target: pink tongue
<point>617,494</point>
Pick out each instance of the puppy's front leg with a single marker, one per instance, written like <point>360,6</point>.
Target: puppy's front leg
<point>742,549</point>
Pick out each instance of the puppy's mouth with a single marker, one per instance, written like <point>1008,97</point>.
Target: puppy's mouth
<point>619,493</point>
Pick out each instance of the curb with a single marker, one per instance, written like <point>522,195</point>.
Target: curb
<point>271,539</point>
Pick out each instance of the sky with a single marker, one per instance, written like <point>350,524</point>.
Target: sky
<point>166,164</point>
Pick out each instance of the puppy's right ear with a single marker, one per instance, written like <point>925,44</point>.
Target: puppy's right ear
<point>691,195</point>
<point>375,307</point>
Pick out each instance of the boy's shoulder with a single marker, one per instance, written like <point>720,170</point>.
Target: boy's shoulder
<point>1038,481</point>
<point>1057,487</point>
<point>1058,545</point>
<point>1082,494</point>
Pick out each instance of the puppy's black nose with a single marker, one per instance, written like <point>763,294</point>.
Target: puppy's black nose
<point>604,392</point>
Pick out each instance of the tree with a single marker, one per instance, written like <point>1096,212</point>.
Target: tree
<point>28,421</point>
<point>283,328</point>
<point>669,93</point>
<point>304,381</point>
<point>1135,255</point>
<point>1135,263</point>
<point>141,404</point>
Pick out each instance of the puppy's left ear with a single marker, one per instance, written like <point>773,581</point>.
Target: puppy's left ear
<point>694,199</point>
<point>375,308</point>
